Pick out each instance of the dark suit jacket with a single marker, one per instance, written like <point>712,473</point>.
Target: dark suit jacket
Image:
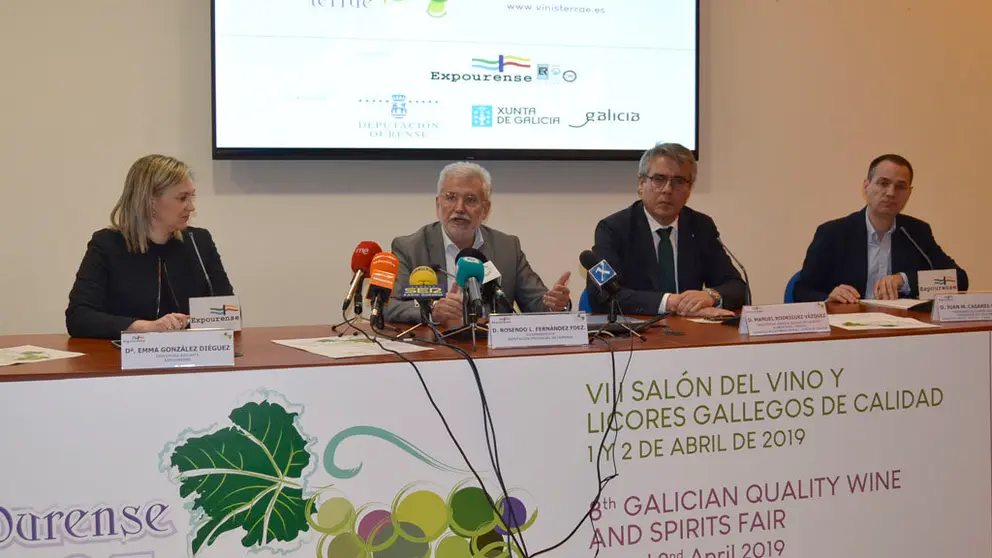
<point>114,287</point>
<point>625,240</point>
<point>838,255</point>
<point>426,247</point>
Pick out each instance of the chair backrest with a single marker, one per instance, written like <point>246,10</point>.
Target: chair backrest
<point>790,288</point>
<point>584,302</point>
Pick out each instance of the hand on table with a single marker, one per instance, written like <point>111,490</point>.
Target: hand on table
<point>887,288</point>
<point>845,294</point>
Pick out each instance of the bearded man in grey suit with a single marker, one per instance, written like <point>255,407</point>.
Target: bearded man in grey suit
<point>463,204</point>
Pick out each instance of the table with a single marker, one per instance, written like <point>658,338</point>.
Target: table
<point>857,444</point>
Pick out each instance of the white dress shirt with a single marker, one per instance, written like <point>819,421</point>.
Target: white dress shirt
<point>451,252</point>
<point>655,226</point>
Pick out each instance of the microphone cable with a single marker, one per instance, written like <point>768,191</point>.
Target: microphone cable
<point>601,482</point>
<point>487,427</point>
<point>492,446</point>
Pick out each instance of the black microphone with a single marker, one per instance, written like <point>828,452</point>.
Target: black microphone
<point>210,284</point>
<point>747,284</point>
<point>601,272</point>
<point>920,250</point>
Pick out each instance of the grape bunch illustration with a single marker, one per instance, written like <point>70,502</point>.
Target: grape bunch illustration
<point>419,524</point>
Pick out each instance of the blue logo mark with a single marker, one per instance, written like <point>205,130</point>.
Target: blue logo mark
<point>399,106</point>
<point>482,116</point>
<point>602,273</point>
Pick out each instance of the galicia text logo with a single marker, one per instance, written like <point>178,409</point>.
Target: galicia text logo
<point>482,116</point>
<point>608,116</point>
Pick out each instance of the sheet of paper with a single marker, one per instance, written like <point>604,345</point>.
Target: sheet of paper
<point>349,347</point>
<point>875,320</point>
<point>900,303</point>
<point>26,354</point>
<point>706,320</point>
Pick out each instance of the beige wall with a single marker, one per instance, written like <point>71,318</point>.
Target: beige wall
<point>797,97</point>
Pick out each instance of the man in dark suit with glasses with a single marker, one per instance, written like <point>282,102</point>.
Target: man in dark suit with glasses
<point>667,255</point>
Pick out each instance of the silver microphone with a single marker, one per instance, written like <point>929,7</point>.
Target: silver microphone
<point>747,284</point>
<point>920,250</point>
<point>210,284</point>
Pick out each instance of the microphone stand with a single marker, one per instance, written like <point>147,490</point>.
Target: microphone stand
<point>611,319</point>
<point>426,319</point>
<point>470,325</point>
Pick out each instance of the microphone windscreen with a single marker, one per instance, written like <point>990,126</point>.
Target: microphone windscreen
<point>361,259</point>
<point>588,259</point>
<point>383,271</point>
<point>471,253</point>
<point>423,275</point>
<point>469,267</point>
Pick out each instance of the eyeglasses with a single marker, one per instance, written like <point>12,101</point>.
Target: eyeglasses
<point>659,181</point>
<point>899,185</point>
<point>470,201</point>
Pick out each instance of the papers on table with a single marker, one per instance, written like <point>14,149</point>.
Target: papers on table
<point>899,303</point>
<point>875,320</point>
<point>26,354</point>
<point>349,347</point>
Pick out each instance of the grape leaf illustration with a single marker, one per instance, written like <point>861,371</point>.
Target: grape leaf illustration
<point>247,476</point>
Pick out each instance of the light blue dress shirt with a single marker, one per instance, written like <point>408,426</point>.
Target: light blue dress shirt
<point>880,259</point>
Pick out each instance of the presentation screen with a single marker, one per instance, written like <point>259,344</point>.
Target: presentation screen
<point>507,79</point>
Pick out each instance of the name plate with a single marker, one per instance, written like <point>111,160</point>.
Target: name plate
<point>932,282</point>
<point>539,329</point>
<point>963,307</point>
<point>177,349</point>
<point>779,319</point>
<point>212,312</point>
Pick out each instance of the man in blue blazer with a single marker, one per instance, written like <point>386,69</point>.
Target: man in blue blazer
<point>667,255</point>
<point>875,252</point>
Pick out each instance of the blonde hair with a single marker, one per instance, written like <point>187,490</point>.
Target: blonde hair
<point>148,178</point>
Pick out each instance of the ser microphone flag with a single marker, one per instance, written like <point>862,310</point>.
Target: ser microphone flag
<point>423,285</point>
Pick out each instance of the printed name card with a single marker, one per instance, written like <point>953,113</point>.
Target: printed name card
<point>222,312</point>
<point>779,319</point>
<point>539,329</point>
<point>963,307</point>
<point>177,349</point>
<point>932,282</point>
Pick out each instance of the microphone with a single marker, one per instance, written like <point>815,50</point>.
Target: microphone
<point>382,277</point>
<point>424,289</point>
<point>492,291</point>
<point>210,284</point>
<point>361,259</point>
<point>469,277</point>
<point>601,272</point>
<point>747,284</point>
<point>920,250</point>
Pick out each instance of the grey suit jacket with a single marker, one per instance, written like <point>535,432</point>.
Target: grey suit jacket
<point>521,284</point>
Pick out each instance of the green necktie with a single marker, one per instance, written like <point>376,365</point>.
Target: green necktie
<point>666,261</point>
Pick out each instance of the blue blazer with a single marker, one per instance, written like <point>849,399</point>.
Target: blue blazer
<point>838,255</point>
